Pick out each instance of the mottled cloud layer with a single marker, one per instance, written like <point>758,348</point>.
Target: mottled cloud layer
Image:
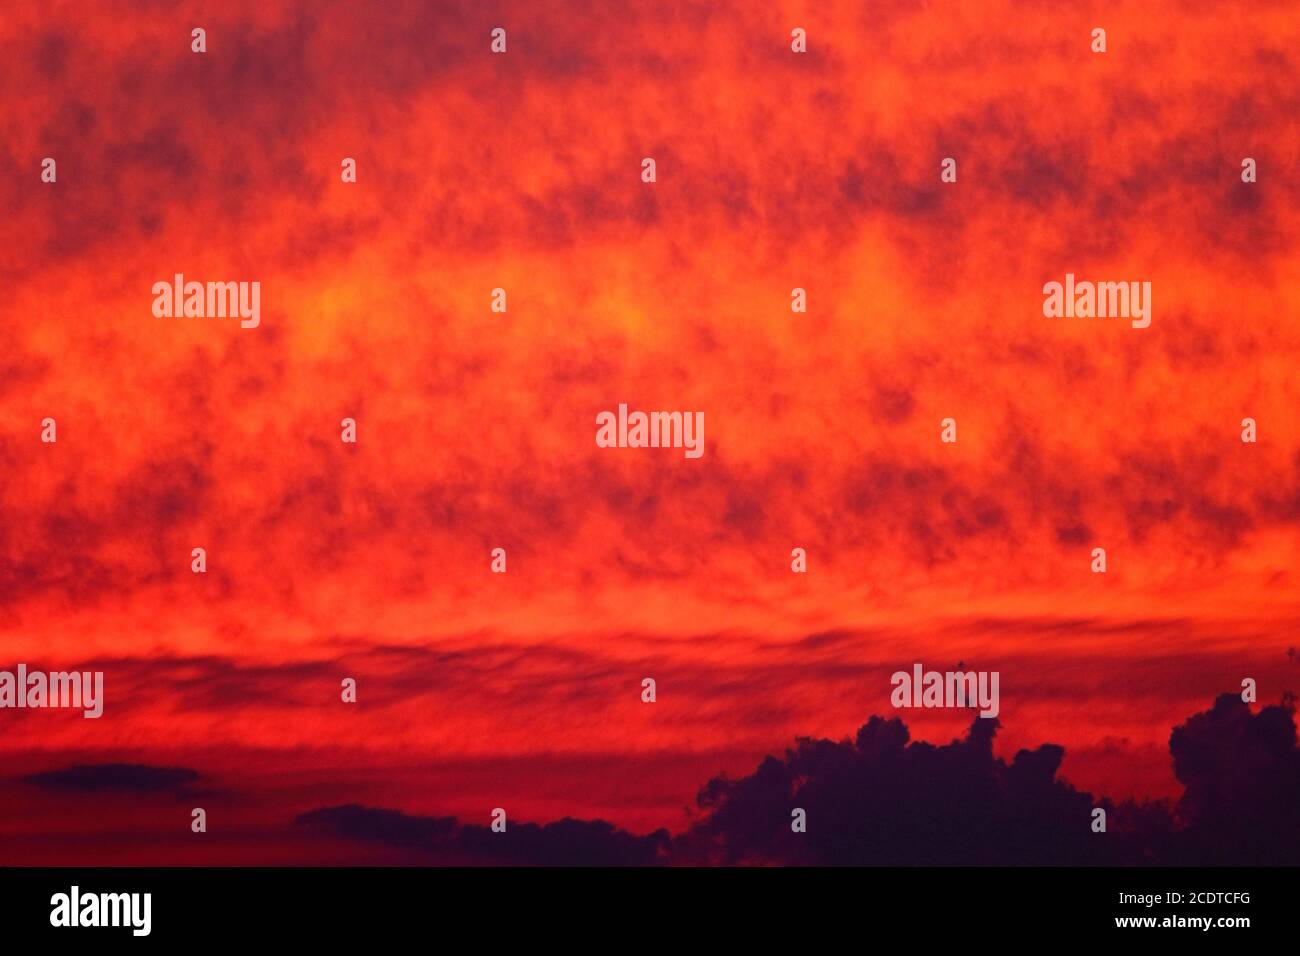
<point>476,430</point>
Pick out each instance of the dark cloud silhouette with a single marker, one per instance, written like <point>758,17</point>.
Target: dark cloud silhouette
<point>119,777</point>
<point>1241,774</point>
<point>566,842</point>
<point>884,800</point>
<point>374,824</point>
<point>880,800</point>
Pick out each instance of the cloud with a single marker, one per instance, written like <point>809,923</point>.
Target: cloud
<point>1241,777</point>
<point>116,777</point>
<point>566,842</point>
<point>378,825</point>
<point>881,799</point>
<point>476,430</point>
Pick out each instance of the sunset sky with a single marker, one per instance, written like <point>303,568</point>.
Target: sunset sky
<point>522,171</point>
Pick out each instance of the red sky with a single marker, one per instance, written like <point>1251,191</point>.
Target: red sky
<point>476,430</point>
